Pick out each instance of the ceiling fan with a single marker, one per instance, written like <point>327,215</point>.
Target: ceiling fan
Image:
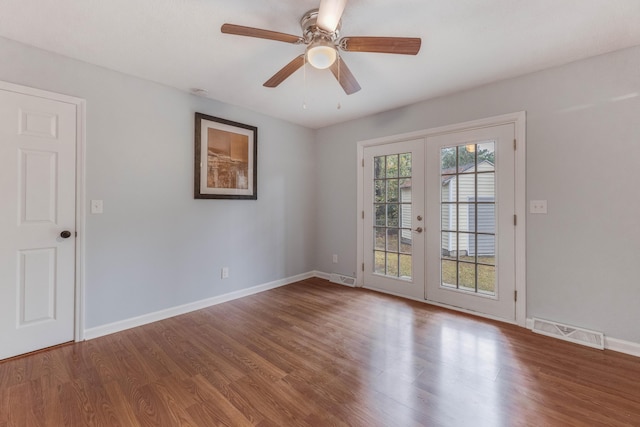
<point>321,35</point>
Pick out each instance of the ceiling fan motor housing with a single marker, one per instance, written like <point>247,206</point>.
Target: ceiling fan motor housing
<point>311,32</point>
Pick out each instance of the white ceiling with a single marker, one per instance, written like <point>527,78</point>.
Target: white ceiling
<point>465,43</point>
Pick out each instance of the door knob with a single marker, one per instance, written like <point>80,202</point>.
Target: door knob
<point>65,234</point>
<point>419,229</point>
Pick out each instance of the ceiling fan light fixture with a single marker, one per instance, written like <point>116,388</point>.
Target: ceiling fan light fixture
<point>321,54</point>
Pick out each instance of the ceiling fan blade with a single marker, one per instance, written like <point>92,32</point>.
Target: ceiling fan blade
<point>399,45</point>
<point>285,72</point>
<point>344,77</point>
<point>330,13</point>
<point>239,30</point>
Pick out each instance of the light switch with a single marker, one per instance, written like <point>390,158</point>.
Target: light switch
<point>96,206</point>
<point>538,206</point>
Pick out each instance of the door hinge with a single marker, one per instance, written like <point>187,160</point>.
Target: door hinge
<point>362,162</point>
<point>76,234</point>
<point>514,145</point>
<point>363,266</point>
<point>362,214</point>
<point>515,296</point>
<point>515,220</point>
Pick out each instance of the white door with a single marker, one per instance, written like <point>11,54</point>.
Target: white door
<point>37,193</point>
<point>470,220</point>
<point>393,201</point>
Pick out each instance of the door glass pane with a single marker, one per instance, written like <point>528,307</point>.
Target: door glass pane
<point>393,215</point>
<point>449,274</point>
<point>486,216</point>
<point>392,166</point>
<point>379,167</point>
<point>392,264</point>
<point>392,240</point>
<point>380,238</point>
<point>486,185</point>
<point>449,218</point>
<point>379,262</point>
<point>405,241</point>
<point>468,220</point>
<point>487,279</point>
<point>486,156</point>
<point>448,246</point>
<point>381,214</point>
<point>449,185</point>
<point>467,276</point>
<point>392,191</point>
<point>448,160</point>
<point>380,195</point>
<point>466,157</point>
<point>405,266</point>
<point>405,165</point>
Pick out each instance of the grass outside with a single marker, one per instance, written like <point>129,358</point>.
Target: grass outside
<point>467,273</point>
<point>399,265</point>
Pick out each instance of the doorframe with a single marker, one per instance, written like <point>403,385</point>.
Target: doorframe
<point>80,104</point>
<point>518,119</point>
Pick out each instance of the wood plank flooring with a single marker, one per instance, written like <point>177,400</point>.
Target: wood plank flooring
<point>317,354</point>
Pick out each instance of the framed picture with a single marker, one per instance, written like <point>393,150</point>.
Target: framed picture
<point>226,159</point>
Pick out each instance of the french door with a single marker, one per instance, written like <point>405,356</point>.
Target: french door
<point>470,220</point>
<point>394,218</point>
<point>439,219</point>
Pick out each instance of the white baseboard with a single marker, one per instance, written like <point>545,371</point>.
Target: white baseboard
<point>627,347</point>
<point>613,344</point>
<point>322,275</point>
<point>133,322</point>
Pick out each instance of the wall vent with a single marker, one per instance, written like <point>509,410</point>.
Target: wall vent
<point>343,280</point>
<point>569,333</point>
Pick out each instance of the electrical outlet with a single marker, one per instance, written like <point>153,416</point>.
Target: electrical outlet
<point>335,258</point>
<point>538,206</point>
<point>224,273</point>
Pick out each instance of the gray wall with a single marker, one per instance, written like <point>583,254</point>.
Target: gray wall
<point>583,142</point>
<point>155,246</point>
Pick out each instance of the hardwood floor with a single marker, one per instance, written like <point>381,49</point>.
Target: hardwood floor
<point>315,354</point>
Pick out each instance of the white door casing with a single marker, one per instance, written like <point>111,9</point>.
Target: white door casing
<point>38,182</point>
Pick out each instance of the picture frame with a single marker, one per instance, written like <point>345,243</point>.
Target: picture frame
<point>226,159</point>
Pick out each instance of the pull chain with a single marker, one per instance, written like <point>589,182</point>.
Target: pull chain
<point>339,81</point>
<point>304,83</point>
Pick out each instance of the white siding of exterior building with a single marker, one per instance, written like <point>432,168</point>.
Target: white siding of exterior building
<point>448,215</point>
<point>405,213</point>
<point>486,188</point>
